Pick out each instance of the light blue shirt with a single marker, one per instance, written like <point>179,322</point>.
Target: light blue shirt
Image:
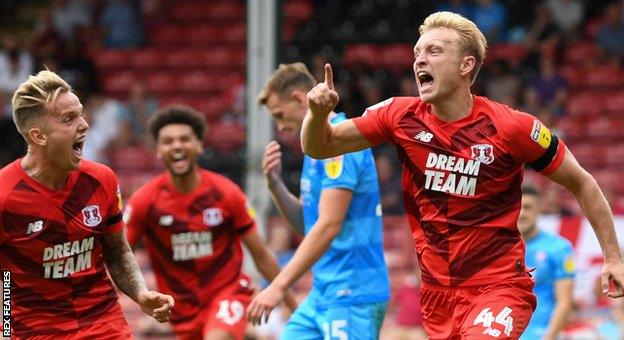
<point>552,257</point>
<point>353,269</point>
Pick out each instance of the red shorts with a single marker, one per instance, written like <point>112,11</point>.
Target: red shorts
<point>225,311</point>
<point>116,329</point>
<point>498,311</point>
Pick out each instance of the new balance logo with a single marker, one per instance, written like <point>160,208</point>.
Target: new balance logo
<point>424,136</point>
<point>34,227</point>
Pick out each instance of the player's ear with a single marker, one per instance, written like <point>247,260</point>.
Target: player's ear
<point>468,63</point>
<point>300,96</point>
<point>37,136</point>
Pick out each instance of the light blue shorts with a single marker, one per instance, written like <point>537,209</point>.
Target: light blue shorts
<point>362,321</point>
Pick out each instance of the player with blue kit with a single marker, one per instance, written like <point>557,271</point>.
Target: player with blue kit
<point>339,211</point>
<point>552,257</point>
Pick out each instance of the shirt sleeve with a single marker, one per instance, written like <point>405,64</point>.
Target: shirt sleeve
<point>243,213</point>
<point>532,142</point>
<point>341,172</point>
<point>134,218</point>
<point>564,266</point>
<point>376,124</point>
<point>113,222</point>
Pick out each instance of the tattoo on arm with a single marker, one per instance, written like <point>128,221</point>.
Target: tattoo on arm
<point>122,265</point>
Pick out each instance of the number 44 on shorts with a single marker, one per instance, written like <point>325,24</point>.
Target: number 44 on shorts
<point>486,318</point>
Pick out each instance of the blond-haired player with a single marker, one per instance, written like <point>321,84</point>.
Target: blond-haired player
<point>463,159</point>
<point>61,228</point>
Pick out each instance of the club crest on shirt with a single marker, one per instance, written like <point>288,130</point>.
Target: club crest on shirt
<point>91,215</point>
<point>569,265</point>
<point>213,217</point>
<point>165,220</point>
<point>333,167</point>
<point>483,153</point>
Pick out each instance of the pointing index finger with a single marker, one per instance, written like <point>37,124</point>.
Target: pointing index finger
<point>329,76</point>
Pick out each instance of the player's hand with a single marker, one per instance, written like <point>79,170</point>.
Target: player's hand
<point>612,279</point>
<point>156,304</point>
<point>272,162</point>
<point>261,306</point>
<point>323,98</point>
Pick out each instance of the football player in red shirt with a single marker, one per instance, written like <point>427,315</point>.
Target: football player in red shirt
<point>61,228</point>
<point>463,158</point>
<point>193,222</point>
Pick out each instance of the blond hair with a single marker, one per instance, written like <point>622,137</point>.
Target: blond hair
<point>471,40</point>
<point>285,79</point>
<point>35,97</point>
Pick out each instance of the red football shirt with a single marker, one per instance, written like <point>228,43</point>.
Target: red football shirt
<point>49,240</point>
<point>462,183</point>
<point>193,239</point>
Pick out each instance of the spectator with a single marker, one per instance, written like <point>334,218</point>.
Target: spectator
<point>389,185</point>
<point>503,86</point>
<point>568,15</point>
<point>45,42</point>
<point>543,30</point>
<point>104,122</point>
<point>549,87</point>
<point>15,65</point>
<point>78,70</point>
<point>139,107</point>
<point>122,23</point>
<point>456,6</point>
<point>610,37</point>
<point>409,325</point>
<point>12,145</point>
<point>69,14</point>
<point>490,16</point>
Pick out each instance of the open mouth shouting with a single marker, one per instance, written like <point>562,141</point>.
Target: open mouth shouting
<point>179,161</point>
<point>425,79</point>
<point>78,146</point>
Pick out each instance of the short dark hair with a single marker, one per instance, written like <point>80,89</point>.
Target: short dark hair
<point>177,114</point>
<point>531,189</point>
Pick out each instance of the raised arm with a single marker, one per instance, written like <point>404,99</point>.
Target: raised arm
<point>127,276</point>
<point>596,208</point>
<point>333,208</point>
<point>288,204</point>
<point>319,139</point>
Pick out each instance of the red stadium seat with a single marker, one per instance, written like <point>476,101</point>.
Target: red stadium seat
<point>580,51</point>
<point>614,104</point>
<point>614,156</point>
<point>199,82</point>
<point>204,35</point>
<point>604,128</point>
<point>226,137</point>
<point>573,127</point>
<point>584,104</point>
<point>603,77</point>
<point>298,10</point>
<point>118,83</point>
<point>168,35</point>
<point>360,54</point>
<point>235,34</point>
<point>184,58</point>
<point>508,52</point>
<point>147,58</point>
<point>573,74</point>
<point>212,107</point>
<point>217,58</point>
<point>227,10</point>
<point>111,59</point>
<point>589,155</point>
<point>186,11</point>
<point>396,57</point>
<point>161,83</point>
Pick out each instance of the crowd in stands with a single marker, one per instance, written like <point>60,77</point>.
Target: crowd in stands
<point>560,60</point>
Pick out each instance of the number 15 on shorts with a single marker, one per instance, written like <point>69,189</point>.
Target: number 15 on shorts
<point>336,331</point>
